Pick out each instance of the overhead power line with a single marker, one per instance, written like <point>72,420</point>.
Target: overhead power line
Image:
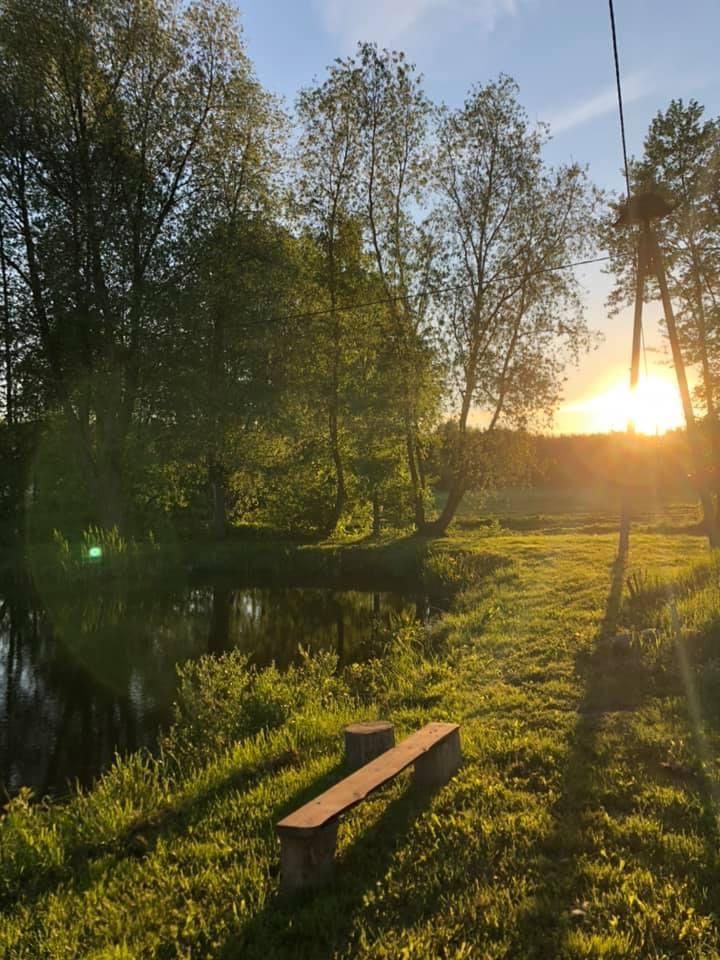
<point>621,114</point>
<point>433,291</point>
<point>619,96</point>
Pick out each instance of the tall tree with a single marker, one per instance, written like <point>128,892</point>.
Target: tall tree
<point>680,151</point>
<point>328,156</point>
<point>508,223</point>
<point>681,159</point>
<point>392,188</point>
<point>111,113</point>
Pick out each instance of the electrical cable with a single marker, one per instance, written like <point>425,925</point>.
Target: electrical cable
<point>621,114</point>
<point>619,96</point>
<point>429,292</point>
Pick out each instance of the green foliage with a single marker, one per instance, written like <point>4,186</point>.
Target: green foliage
<point>444,572</point>
<point>100,554</point>
<point>223,700</point>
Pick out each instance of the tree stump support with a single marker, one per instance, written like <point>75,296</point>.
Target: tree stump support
<point>366,740</point>
<point>307,858</point>
<point>434,768</point>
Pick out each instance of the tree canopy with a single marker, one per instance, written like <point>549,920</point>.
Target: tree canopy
<point>217,312</point>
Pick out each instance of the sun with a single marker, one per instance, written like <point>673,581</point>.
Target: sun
<point>655,408</point>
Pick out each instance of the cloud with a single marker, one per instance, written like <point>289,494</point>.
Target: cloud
<point>390,22</point>
<point>635,86</point>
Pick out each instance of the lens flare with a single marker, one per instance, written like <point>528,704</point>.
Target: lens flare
<point>654,407</point>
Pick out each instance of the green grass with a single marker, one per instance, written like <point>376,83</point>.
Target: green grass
<point>586,510</point>
<point>582,824</point>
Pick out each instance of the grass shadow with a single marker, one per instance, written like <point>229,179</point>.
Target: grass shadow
<point>607,690</point>
<point>617,684</point>
<point>319,923</point>
<point>140,837</point>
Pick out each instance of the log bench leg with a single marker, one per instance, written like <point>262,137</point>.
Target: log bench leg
<point>435,767</point>
<point>366,740</point>
<point>307,857</point>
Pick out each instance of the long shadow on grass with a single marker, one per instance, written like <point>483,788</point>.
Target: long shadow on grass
<point>319,923</point>
<point>304,925</point>
<point>613,684</point>
<point>617,682</point>
<point>140,837</point>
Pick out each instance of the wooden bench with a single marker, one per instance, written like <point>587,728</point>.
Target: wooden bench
<point>307,836</point>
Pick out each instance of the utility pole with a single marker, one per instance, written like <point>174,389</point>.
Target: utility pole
<point>642,209</point>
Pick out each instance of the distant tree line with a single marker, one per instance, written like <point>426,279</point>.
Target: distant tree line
<point>616,463</point>
<point>216,311</point>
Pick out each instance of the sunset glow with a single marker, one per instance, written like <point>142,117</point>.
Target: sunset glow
<point>655,408</point>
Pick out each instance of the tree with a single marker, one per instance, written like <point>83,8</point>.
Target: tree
<point>680,152</point>
<point>112,114</point>
<point>364,154</point>
<point>508,224</point>
<point>328,160</point>
<point>392,189</point>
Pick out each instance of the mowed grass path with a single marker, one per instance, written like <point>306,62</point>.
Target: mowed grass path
<point>582,823</point>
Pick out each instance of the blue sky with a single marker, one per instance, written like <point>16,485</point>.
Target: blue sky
<point>559,51</point>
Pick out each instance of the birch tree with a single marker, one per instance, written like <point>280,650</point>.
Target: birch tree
<point>508,224</point>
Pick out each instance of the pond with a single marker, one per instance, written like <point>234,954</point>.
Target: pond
<point>85,677</point>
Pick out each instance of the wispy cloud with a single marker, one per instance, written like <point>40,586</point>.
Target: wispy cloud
<point>390,22</point>
<point>635,86</point>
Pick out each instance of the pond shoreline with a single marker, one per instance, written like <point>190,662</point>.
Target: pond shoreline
<point>88,657</point>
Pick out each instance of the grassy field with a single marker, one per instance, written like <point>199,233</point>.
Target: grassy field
<point>582,824</point>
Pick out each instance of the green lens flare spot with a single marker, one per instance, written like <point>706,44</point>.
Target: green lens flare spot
<point>95,553</point>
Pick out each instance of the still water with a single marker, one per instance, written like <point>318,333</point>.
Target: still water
<point>84,677</point>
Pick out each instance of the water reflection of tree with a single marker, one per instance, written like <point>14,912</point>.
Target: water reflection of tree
<point>92,675</point>
<point>89,673</point>
<point>271,624</point>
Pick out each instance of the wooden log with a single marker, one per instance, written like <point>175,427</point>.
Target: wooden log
<point>366,740</point>
<point>307,858</point>
<point>437,765</point>
<point>358,785</point>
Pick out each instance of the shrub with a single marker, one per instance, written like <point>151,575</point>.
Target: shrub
<point>224,699</point>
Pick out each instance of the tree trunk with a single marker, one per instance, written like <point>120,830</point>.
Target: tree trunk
<point>418,494</point>
<point>377,513</point>
<point>438,527</point>
<point>218,399</point>
<point>7,334</point>
<point>218,499</point>
<point>709,517</point>
<point>110,490</point>
<point>110,504</point>
<point>340,489</point>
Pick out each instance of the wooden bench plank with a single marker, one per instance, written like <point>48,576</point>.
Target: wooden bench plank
<point>355,788</point>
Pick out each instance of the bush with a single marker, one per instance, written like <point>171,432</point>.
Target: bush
<point>444,574</point>
<point>224,699</point>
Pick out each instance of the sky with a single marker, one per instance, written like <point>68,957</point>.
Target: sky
<point>560,53</point>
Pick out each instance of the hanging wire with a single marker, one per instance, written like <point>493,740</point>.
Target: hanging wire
<point>427,292</point>
<point>619,96</point>
<point>621,114</point>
